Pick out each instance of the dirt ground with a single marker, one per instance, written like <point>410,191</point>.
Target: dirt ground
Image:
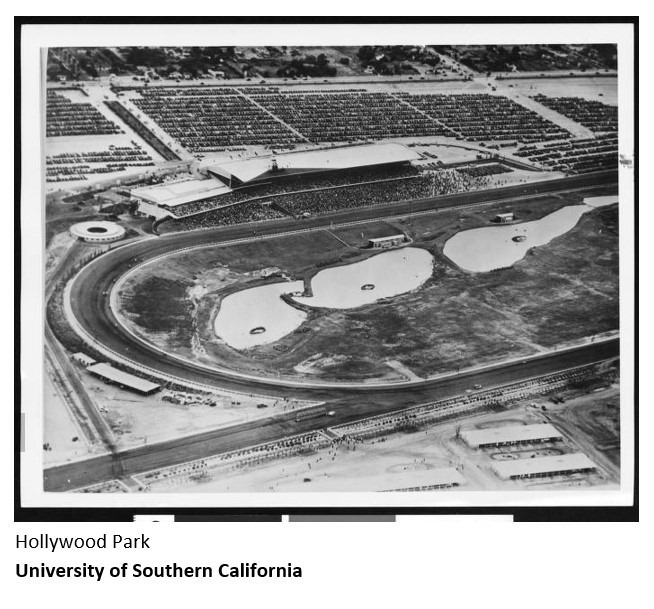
<point>400,461</point>
<point>136,420</point>
<point>558,293</point>
<point>62,435</point>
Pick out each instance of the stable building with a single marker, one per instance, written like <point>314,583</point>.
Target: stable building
<point>386,242</point>
<point>113,376</point>
<point>542,467</point>
<point>432,480</point>
<point>511,435</point>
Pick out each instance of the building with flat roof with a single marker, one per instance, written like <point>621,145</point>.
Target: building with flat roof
<point>83,359</point>
<point>97,231</point>
<point>504,218</point>
<point>511,435</point>
<point>267,168</point>
<point>432,480</point>
<point>160,200</point>
<point>384,242</point>
<point>112,375</point>
<point>541,467</point>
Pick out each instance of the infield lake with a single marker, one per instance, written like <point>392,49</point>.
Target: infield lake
<point>257,316</point>
<point>495,247</point>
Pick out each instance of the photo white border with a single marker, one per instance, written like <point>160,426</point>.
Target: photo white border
<point>35,37</point>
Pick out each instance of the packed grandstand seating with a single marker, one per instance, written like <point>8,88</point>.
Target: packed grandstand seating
<point>484,117</point>
<point>203,120</point>
<point>325,200</point>
<point>235,214</point>
<point>576,156</point>
<point>300,183</point>
<point>594,115</point>
<point>348,117</point>
<point>65,117</point>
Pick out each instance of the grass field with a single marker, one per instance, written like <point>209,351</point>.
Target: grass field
<point>559,293</point>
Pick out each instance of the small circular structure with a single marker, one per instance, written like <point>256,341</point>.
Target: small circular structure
<point>258,330</point>
<point>368,286</point>
<point>97,232</point>
<point>519,238</point>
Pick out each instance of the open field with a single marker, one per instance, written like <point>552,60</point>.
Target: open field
<point>457,319</point>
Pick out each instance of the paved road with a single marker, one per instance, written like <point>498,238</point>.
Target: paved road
<point>348,407</point>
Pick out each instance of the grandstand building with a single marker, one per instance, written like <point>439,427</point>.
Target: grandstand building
<point>310,162</point>
<point>160,201</point>
<point>236,182</point>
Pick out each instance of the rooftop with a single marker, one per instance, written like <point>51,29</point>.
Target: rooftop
<point>432,477</point>
<point>123,378</point>
<point>331,158</point>
<point>542,465</point>
<point>172,194</point>
<point>381,239</point>
<point>512,433</point>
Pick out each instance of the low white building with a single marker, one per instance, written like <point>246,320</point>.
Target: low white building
<point>511,435</point>
<point>541,467</point>
<point>159,201</point>
<point>385,242</point>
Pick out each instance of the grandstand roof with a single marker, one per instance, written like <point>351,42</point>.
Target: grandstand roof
<point>509,434</point>
<point>543,465</point>
<point>347,157</point>
<point>109,373</point>
<point>172,194</point>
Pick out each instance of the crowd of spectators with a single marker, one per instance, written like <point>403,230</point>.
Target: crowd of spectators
<point>594,115</point>
<point>255,211</point>
<point>350,116</point>
<point>325,200</point>
<point>65,117</point>
<point>297,184</point>
<point>203,120</point>
<point>576,156</point>
<point>482,117</point>
<point>361,195</point>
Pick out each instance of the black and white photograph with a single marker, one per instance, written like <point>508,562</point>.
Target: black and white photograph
<point>376,268</point>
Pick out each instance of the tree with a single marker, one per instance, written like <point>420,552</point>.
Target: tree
<point>366,54</point>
